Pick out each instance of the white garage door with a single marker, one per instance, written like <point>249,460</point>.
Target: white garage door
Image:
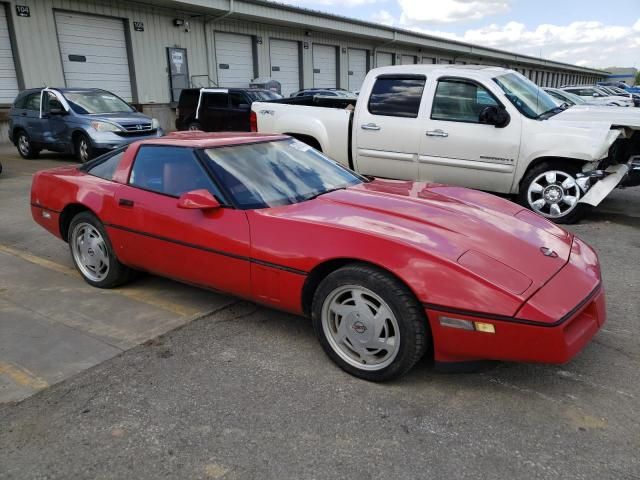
<point>324,66</point>
<point>384,59</point>
<point>234,59</point>
<point>8,79</point>
<point>285,65</point>
<point>428,60</point>
<point>94,52</point>
<point>357,68</point>
<point>408,59</point>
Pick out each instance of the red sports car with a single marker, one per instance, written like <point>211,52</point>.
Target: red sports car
<point>387,270</point>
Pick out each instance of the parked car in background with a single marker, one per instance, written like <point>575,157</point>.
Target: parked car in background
<point>623,93</point>
<point>325,92</point>
<point>80,121</point>
<point>622,86</point>
<point>387,270</point>
<point>481,127</point>
<point>592,92</point>
<point>218,109</point>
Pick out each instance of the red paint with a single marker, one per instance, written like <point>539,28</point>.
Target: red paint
<point>454,248</point>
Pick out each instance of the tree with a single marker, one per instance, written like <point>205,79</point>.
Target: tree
<point>638,78</point>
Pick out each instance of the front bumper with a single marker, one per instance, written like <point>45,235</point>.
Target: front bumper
<point>111,140</point>
<point>553,326</point>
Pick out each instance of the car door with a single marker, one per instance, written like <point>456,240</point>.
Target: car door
<point>203,247</point>
<point>214,111</point>
<point>387,129</point>
<point>32,121</point>
<point>455,148</point>
<point>56,132</point>
<point>238,114</point>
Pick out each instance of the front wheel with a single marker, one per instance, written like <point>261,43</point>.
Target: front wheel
<point>83,148</point>
<point>194,127</point>
<point>369,323</point>
<point>550,189</point>
<point>93,255</point>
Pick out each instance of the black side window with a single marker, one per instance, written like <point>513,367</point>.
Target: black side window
<point>397,96</point>
<point>51,101</point>
<point>170,171</point>
<point>215,100</point>
<point>460,101</point>
<point>189,98</point>
<point>237,99</point>
<point>105,165</point>
<point>32,101</point>
<point>20,101</point>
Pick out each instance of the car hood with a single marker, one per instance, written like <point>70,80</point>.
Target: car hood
<point>615,116</point>
<point>478,231</point>
<point>122,118</point>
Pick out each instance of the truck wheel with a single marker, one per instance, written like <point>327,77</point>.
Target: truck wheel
<point>25,147</point>
<point>550,189</point>
<point>369,323</point>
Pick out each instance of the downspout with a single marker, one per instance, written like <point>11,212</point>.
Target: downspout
<point>375,50</point>
<point>207,34</point>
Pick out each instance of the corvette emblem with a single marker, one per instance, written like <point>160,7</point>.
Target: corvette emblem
<point>547,252</point>
<point>359,327</point>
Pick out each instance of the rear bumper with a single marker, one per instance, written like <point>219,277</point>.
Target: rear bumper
<point>553,326</point>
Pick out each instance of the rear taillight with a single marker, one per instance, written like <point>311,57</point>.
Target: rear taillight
<point>253,122</point>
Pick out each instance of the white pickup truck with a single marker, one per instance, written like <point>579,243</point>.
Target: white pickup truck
<point>487,128</point>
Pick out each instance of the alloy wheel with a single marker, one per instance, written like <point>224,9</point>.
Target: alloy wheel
<point>90,252</point>
<point>23,144</point>
<point>360,327</point>
<point>553,194</point>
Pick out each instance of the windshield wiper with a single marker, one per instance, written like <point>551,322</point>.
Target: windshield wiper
<point>316,195</point>
<point>551,112</point>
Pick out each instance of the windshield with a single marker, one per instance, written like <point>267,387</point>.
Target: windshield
<point>261,95</point>
<point>99,101</point>
<point>559,98</point>
<point>526,96</point>
<point>270,174</point>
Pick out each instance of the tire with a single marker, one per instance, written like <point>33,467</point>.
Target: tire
<point>93,255</point>
<point>83,148</point>
<point>25,147</point>
<point>194,126</point>
<point>374,351</point>
<point>549,189</point>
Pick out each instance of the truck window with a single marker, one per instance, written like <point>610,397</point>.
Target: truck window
<point>237,99</point>
<point>215,100</point>
<point>460,101</point>
<point>397,96</point>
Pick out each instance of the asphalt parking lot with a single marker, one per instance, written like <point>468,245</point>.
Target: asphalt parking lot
<point>158,379</point>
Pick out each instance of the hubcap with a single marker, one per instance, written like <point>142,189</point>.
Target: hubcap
<point>90,252</point>
<point>553,194</point>
<point>23,145</point>
<point>360,327</point>
<point>84,150</point>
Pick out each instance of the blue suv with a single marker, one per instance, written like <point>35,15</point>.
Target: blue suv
<point>82,121</point>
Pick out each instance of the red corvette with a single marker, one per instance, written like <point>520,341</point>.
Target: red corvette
<point>387,270</point>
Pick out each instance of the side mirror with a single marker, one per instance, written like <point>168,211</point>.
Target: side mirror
<point>496,116</point>
<point>198,200</point>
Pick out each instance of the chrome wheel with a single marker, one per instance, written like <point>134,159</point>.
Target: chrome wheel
<point>23,145</point>
<point>553,194</point>
<point>90,252</point>
<point>360,327</point>
<point>83,150</point>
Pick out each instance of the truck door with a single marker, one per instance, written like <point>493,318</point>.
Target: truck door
<point>387,129</point>
<point>455,148</point>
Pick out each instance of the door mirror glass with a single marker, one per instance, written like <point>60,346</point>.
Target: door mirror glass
<point>198,200</point>
<point>495,115</point>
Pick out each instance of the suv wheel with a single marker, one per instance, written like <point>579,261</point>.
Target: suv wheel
<point>194,126</point>
<point>25,148</point>
<point>83,148</point>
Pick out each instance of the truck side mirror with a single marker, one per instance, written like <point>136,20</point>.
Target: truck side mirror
<point>496,116</point>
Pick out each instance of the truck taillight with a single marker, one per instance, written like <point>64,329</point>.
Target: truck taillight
<point>253,122</point>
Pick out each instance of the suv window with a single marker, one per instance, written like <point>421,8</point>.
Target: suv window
<point>397,96</point>
<point>105,165</point>
<point>189,98</point>
<point>170,171</point>
<point>460,101</point>
<point>215,100</point>
<point>20,101</point>
<point>51,101</point>
<point>32,102</point>
<point>237,99</point>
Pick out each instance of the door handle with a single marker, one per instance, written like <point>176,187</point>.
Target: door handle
<point>369,126</point>
<point>123,202</point>
<point>437,133</point>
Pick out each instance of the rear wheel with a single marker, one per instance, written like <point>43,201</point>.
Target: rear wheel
<point>194,126</point>
<point>369,323</point>
<point>25,147</point>
<point>83,148</point>
<point>93,255</point>
<point>550,189</point>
